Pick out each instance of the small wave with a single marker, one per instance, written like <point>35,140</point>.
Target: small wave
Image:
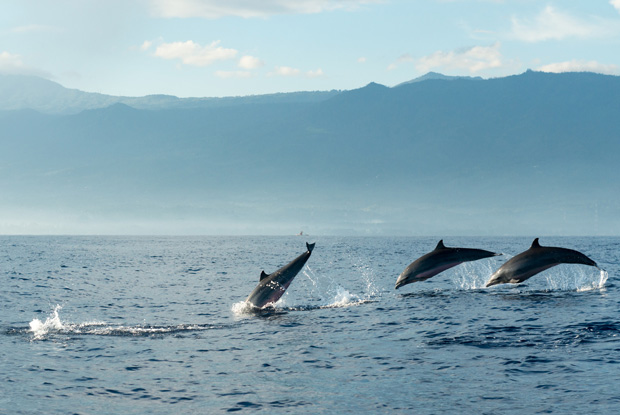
<point>54,325</point>
<point>340,298</point>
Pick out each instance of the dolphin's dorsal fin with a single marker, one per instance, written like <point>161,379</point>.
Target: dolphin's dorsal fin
<point>440,245</point>
<point>310,246</point>
<point>535,244</point>
<point>263,275</point>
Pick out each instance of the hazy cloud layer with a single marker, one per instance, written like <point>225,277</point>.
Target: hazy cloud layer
<point>581,66</point>
<point>13,64</point>
<point>474,59</point>
<point>35,28</point>
<point>233,74</point>
<point>191,53</point>
<point>402,59</point>
<point>553,24</point>
<point>287,71</point>
<point>10,63</point>
<point>213,9</point>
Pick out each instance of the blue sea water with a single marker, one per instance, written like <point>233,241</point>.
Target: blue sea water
<point>135,325</point>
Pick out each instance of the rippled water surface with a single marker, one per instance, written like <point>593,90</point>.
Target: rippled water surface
<point>98,325</point>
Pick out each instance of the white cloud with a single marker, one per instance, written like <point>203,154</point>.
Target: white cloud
<point>250,62</point>
<point>315,74</point>
<point>13,64</point>
<point>361,59</point>
<point>580,66</point>
<point>214,9</point>
<point>285,71</point>
<point>10,63</point>
<point>475,59</point>
<point>146,45</point>
<point>616,4</point>
<point>402,59</point>
<point>551,24</point>
<point>233,74</point>
<point>191,53</point>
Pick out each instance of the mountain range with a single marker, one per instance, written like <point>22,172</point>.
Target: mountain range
<point>529,154</point>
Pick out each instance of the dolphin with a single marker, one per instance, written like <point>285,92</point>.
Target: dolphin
<point>536,259</point>
<point>439,260</point>
<point>271,286</point>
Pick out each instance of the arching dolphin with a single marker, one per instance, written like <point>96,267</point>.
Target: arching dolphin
<point>271,286</point>
<point>438,261</point>
<point>536,259</point>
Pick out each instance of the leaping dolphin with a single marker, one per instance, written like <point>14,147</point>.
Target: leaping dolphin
<point>437,261</point>
<point>271,286</point>
<point>536,259</point>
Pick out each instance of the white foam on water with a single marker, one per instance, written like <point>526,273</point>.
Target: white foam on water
<point>596,284</point>
<point>343,298</point>
<point>52,323</point>
<point>242,308</point>
<point>334,295</point>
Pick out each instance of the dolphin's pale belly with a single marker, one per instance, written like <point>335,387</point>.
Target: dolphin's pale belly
<point>269,292</point>
<point>278,291</point>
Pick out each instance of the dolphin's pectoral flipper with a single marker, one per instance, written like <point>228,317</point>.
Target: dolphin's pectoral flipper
<point>440,245</point>
<point>310,246</point>
<point>263,275</point>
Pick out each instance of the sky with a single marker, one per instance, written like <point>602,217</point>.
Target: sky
<point>211,48</point>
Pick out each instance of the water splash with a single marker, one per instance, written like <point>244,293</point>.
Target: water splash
<point>317,293</point>
<point>474,275</point>
<point>574,277</point>
<point>596,284</point>
<point>41,329</point>
<point>333,294</point>
<point>242,308</point>
<point>344,297</point>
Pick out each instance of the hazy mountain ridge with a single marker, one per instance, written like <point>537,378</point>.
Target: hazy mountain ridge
<point>29,92</point>
<point>530,153</point>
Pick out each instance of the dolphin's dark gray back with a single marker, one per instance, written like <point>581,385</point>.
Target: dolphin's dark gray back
<point>536,259</point>
<point>437,261</point>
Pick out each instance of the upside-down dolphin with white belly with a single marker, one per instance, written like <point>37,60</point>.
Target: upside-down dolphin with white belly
<point>271,286</point>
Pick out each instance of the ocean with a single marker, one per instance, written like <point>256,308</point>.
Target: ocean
<point>158,325</point>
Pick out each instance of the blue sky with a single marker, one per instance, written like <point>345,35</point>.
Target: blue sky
<point>243,47</point>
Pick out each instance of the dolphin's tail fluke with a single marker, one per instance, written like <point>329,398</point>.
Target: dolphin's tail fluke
<point>310,246</point>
